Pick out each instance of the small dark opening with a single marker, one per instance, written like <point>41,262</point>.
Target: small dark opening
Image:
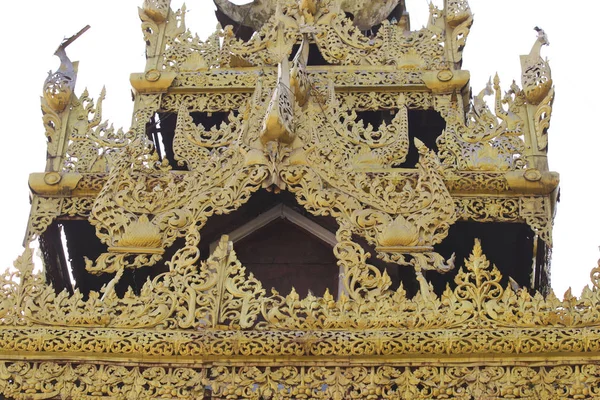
<point>376,118</point>
<point>280,254</point>
<point>240,31</point>
<point>399,274</point>
<point>425,125</point>
<point>394,17</point>
<point>509,246</point>
<point>53,257</point>
<point>83,242</point>
<point>315,57</point>
<point>162,131</point>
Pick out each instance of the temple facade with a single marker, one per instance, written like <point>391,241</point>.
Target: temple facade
<point>310,204</point>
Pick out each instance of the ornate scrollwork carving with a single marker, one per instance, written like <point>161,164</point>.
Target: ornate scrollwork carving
<point>217,293</point>
<point>92,143</point>
<point>536,77</point>
<point>211,321</point>
<point>487,141</point>
<point>319,381</point>
<point>338,38</point>
<point>139,210</point>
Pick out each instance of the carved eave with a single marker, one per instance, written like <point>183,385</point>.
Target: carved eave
<point>495,335</point>
<point>152,81</point>
<point>515,182</point>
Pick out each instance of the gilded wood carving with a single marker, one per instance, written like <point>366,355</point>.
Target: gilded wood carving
<point>205,327</point>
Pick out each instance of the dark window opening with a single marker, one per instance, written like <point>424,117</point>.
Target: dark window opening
<point>81,241</point>
<point>281,254</point>
<point>376,118</point>
<point>509,246</point>
<point>425,125</point>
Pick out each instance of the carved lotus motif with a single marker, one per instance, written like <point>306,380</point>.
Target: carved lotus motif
<point>487,158</point>
<point>399,233</point>
<point>140,236</point>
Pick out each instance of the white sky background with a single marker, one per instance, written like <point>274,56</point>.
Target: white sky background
<point>113,48</point>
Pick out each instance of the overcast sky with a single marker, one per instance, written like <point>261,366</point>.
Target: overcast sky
<point>502,31</point>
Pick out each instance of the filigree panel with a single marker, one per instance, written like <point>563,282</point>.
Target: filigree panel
<point>488,209</point>
<point>206,102</point>
<point>219,79</point>
<point>338,40</point>
<point>48,379</point>
<point>486,141</point>
<point>361,101</point>
<point>189,296</point>
<point>45,210</point>
<point>92,144</point>
<point>75,380</point>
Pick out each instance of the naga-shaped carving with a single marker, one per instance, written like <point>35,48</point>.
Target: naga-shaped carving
<point>487,141</point>
<point>536,76</point>
<point>92,144</point>
<point>57,91</point>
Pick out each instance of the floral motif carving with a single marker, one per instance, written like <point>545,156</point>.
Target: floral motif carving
<point>217,293</point>
<point>66,380</point>
<point>206,327</point>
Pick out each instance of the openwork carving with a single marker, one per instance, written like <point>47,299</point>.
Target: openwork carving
<point>486,141</point>
<point>57,92</point>
<point>335,136</point>
<point>292,382</point>
<point>358,145</point>
<point>536,76</point>
<point>338,38</point>
<point>218,293</point>
<point>139,211</point>
<point>207,102</point>
<point>92,144</point>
